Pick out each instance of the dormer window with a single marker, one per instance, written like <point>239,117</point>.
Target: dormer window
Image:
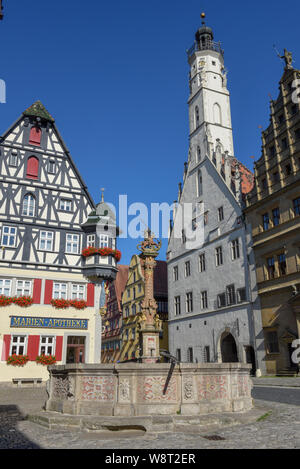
<point>32,168</point>
<point>35,136</point>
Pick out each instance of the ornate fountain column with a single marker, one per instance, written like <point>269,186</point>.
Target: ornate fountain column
<point>149,323</point>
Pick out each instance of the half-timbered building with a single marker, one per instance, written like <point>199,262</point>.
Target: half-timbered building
<point>47,305</point>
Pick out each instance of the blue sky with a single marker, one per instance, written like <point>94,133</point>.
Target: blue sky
<point>114,75</point>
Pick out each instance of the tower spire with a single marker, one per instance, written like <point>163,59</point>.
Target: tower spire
<point>102,194</point>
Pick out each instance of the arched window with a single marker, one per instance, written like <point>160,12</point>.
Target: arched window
<point>197,117</point>
<point>35,136</point>
<point>28,207</point>
<point>199,183</point>
<point>32,168</point>
<point>217,114</point>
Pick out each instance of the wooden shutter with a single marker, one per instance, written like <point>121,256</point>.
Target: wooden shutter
<point>58,348</point>
<point>33,347</point>
<point>35,136</point>
<point>48,292</point>
<point>90,294</point>
<point>37,289</point>
<point>32,168</point>
<point>5,348</point>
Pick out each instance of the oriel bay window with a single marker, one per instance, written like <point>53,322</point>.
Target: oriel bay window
<point>91,240</point>
<point>104,241</point>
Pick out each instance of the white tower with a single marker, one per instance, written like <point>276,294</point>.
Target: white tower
<point>209,101</point>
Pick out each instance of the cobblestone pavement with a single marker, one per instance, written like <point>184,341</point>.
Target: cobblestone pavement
<point>280,429</point>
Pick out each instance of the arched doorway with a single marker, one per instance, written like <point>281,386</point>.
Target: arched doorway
<point>228,349</point>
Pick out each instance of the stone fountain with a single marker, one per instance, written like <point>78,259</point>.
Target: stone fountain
<point>147,389</point>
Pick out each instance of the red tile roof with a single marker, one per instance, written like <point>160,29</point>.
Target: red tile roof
<point>120,282</point>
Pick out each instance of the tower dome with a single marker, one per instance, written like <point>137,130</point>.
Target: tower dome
<point>204,36</point>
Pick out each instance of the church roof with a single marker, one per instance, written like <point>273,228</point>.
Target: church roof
<point>37,109</point>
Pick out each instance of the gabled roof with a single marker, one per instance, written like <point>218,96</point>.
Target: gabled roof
<point>120,283</point>
<point>37,109</point>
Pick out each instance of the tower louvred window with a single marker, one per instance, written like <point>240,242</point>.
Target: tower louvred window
<point>35,136</point>
<point>32,168</point>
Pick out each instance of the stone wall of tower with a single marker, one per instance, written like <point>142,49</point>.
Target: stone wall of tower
<point>198,327</point>
<point>209,93</point>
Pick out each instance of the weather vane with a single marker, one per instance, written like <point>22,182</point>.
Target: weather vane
<point>1,10</point>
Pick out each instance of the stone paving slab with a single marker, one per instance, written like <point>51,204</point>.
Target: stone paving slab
<point>280,382</point>
<point>277,428</point>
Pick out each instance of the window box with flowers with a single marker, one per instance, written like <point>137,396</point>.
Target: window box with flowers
<point>22,301</point>
<point>45,360</point>
<point>65,304</point>
<point>103,252</point>
<point>17,360</point>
